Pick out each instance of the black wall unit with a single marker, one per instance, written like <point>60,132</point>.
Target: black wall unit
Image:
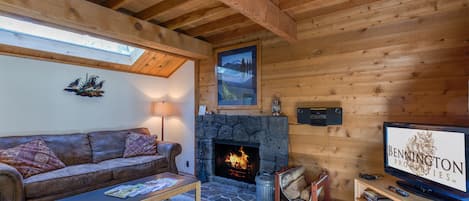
<point>320,116</point>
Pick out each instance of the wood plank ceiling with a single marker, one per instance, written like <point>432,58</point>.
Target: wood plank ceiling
<point>208,20</point>
<point>203,19</point>
<point>219,23</point>
<point>151,63</point>
<point>212,20</point>
<point>215,22</point>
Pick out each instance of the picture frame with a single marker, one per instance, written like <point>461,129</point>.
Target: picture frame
<point>238,73</point>
<point>202,109</point>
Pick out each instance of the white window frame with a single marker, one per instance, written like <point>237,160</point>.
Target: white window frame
<point>30,41</point>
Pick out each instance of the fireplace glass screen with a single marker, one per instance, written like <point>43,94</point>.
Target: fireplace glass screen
<point>239,162</point>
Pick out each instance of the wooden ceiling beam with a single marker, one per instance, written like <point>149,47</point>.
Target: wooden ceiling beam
<point>323,10</point>
<point>309,4</point>
<point>194,16</point>
<point>266,14</point>
<point>152,11</point>
<point>115,4</point>
<point>235,34</point>
<point>91,18</point>
<point>216,25</point>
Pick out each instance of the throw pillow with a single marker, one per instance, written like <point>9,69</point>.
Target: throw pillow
<point>31,158</point>
<point>139,144</point>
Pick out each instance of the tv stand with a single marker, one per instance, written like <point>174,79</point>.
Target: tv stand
<point>381,187</point>
<point>424,192</point>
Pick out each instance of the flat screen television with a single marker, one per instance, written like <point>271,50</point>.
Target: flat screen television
<point>432,160</point>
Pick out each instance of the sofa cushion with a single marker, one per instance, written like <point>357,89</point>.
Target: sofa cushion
<point>31,158</point>
<point>71,149</point>
<point>107,145</point>
<point>139,145</point>
<point>65,179</point>
<point>135,167</point>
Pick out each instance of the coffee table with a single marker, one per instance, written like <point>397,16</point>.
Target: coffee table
<point>185,184</point>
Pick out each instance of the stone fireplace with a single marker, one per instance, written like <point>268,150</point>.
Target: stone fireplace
<point>262,139</point>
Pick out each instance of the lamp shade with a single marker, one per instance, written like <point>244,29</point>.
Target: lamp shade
<point>161,108</point>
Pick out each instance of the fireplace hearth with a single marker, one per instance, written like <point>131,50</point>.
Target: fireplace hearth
<point>239,161</point>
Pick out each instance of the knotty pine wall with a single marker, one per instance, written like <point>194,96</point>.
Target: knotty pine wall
<point>386,61</point>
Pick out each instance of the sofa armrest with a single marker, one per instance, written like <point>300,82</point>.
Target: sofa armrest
<point>11,183</point>
<point>170,150</point>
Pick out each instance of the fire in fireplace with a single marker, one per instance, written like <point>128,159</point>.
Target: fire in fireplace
<point>237,161</point>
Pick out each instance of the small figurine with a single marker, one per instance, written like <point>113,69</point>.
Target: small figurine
<point>276,106</point>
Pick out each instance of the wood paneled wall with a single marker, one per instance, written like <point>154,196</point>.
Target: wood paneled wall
<point>389,60</point>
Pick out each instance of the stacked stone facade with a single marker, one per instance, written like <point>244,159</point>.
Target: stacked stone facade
<point>271,133</point>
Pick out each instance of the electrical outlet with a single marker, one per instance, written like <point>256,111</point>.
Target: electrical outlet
<point>187,163</point>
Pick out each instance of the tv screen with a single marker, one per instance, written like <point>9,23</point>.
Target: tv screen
<point>427,154</point>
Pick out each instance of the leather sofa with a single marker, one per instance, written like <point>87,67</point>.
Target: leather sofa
<point>93,160</point>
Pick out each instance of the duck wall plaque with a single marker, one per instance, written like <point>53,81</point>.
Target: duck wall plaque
<point>89,87</point>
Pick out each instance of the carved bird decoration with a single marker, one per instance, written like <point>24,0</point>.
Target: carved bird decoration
<point>75,83</point>
<point>93,80</point>
<point>89,87</point>
<point>99,86</point>
<point>89,83</point>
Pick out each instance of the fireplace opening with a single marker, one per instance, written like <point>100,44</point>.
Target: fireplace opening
<point>239,161</point>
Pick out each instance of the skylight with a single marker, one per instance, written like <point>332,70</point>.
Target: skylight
<point>39,37</point>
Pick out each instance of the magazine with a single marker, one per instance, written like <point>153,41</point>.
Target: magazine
<point>125,191</point>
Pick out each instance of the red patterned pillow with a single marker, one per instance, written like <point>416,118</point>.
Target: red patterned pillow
<point>31,158</point>
<point>138,144</point>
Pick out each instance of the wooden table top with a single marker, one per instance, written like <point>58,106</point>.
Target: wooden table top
<point>99,193</point>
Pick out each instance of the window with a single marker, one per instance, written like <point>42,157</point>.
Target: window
<point>29,35</point>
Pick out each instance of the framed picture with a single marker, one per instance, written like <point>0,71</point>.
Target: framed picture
<point>202,109</point>
<point>238,75</point>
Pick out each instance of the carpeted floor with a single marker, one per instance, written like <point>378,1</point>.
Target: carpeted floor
<point>213,191</point>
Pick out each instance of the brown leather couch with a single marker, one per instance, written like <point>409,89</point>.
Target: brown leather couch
<point>93,160</point>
